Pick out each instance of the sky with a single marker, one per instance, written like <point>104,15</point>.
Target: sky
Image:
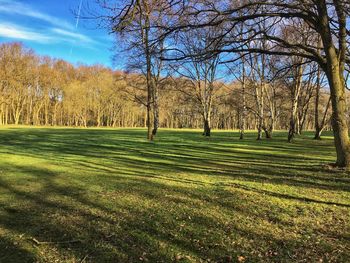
<point>51,27</point>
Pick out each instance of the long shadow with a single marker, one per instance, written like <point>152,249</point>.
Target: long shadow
<point>124,200</point>
<point>10,252</point>
<point>140,233</point>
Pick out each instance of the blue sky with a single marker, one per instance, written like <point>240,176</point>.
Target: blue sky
<point>50,28</point>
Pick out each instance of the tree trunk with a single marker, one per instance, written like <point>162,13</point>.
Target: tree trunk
<point>260,104</point>
<point>259,130</point>
<point>268,132</point>
<point>291,131</point>
<point>207,129</point>
<point>317,103</point>
<point>155,110</point>
<point>318,132</point>
<point>244,106</point>
<point>260,124</point>
<point>295,92</point>
<point>46,114</point>
<point>148,77</point>
<point>339,123</point>
<point>149,122</point>
<point>335,67</point>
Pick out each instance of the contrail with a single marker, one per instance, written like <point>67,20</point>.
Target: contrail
<point>76,24</point>
<point>79,11</point>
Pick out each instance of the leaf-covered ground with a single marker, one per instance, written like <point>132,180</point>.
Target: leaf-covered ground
<point>104,195</point>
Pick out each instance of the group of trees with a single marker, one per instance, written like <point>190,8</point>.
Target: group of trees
<point>297,44</point>
<point>38,90</point>
<point>244,64</point>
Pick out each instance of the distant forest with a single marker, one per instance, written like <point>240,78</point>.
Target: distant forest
<point>39,90</point>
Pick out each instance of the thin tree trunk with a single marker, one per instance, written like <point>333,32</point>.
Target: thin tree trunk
<point>260,103</point>
<point>295,98</point>
<point>317,103</point>
<point>155,110</point>
<point>148,77</point>
<point>244,106</point>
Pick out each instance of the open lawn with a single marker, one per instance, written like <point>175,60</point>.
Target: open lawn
<point>104,195</point>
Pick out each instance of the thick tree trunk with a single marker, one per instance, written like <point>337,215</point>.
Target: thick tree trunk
<point>272,124</point>
<point>207,128</point>
<point>339,123</point>
<point>318,132</point>
<point>291,131</point>
<point>268,132</point>
<point>259,131</point>
<point>334,67</point>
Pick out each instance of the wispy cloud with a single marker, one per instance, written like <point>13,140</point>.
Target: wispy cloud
<point>8,30</point>
<point>56,29</point>
<point>50,30</point>
<point>14,7</point>
<point>51,35</point>
<point>72,35</point>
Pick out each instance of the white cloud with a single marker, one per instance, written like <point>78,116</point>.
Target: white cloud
<point>14,7</point>
<point>51,30</point>
<point>72,35</point>
<point>16,32</point>
<point>55,35</point>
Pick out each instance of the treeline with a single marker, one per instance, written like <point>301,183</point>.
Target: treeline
<point>281,53</point>
<point>37,90</point>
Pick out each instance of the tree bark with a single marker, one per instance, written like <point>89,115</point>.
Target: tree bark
<point>334,68</point>
<point>207,129</point>
<point>155,110</point>
<point>317,103</point>
<point>295,92</point>
<point>268,132</point>
<point>244,105</point>
<point>339,123</point>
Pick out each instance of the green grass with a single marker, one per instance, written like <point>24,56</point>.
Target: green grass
<point>182,198</point>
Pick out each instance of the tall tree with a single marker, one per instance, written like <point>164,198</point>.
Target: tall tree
<point>200,73</point>
<point>327,20</point>
<point>136,20</point>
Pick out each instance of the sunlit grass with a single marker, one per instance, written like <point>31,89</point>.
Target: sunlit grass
<point>111,196</point>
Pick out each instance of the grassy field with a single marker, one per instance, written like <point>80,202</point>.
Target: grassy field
<point>103,195</point>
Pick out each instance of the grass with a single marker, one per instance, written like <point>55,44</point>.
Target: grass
<point>103,195</point>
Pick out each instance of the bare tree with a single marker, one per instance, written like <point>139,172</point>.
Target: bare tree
<point>135,19</point>
<point>319,126</point>
<point>200,73</point>
<point>327,20</point>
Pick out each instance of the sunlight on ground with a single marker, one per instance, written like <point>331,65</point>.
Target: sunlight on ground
<point>104,195</point>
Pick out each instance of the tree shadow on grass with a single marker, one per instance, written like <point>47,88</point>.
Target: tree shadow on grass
<point>133,202</point>
<point>126,233</point>
<point>10,252</point>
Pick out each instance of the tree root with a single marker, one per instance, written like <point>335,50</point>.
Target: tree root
<point>37,242</point>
